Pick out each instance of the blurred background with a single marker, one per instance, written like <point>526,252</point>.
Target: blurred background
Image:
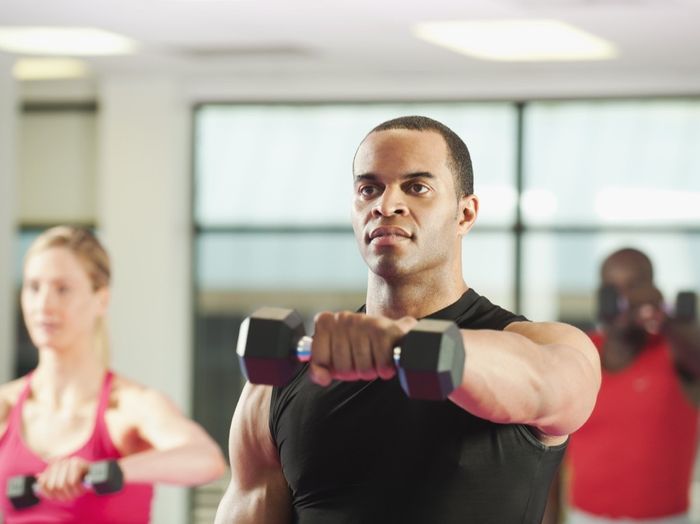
<point>209,143</point>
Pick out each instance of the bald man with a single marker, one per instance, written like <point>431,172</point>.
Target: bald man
<point>632,460</point>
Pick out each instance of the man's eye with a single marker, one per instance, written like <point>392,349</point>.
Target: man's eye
<point>368,191</point>
<point>418,189</point>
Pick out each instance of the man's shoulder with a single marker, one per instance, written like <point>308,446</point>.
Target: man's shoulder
<point>480,313</point>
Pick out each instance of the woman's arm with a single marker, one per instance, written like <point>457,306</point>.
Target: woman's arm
<point>181,452</point>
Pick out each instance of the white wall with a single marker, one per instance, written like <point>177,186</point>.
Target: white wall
<point>144,215</point>
<point>8,131</point>
<point>57,164</point>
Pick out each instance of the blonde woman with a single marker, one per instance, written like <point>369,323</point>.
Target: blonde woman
<point>72,412</point>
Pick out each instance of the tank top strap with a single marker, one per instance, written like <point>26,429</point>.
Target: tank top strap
<point>100,444</point>
<point>104,394</point>
<point>102,405</point>
<point>15,420</point>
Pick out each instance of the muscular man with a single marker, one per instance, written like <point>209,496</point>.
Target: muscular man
<point>633,458</point>
<point>342,443</point>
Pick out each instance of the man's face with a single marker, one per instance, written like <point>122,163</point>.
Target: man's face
<point>633,280</point>
<point>406,215</point>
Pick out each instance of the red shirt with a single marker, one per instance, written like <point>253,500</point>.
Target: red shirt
<point>132,504</point>
<point>634,456</point>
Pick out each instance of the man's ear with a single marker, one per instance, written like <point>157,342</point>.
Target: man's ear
<point>468,211</point>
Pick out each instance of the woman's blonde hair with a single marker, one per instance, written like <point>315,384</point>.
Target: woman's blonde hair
<point>95,260</point>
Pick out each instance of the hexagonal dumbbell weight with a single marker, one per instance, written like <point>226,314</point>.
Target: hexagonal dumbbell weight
<point>103,477</point>
<point>272,345</point>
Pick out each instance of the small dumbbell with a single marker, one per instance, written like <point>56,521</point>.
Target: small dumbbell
<point>272,345</point>
<point>686,306</point>
<point>611,304</point>
<point>104,477</point>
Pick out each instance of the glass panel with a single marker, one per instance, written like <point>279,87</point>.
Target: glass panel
<point>561,270</point>
<point>329,262</point>
<point>292,164</point>
<point>618,162</point>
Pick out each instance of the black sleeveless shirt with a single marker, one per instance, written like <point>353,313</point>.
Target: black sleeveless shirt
<point>364,453</point>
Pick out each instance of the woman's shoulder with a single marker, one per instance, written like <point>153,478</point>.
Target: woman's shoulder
<point>129,393</point>
<point>9,393</point>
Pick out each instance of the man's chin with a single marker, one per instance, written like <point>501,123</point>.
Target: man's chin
<point>389,268</point>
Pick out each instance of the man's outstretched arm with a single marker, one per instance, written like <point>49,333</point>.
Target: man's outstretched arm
<point>542,374</point>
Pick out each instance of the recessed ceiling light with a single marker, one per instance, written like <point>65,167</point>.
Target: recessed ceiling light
<point>516,40</point>
<point>64,41</point>
<point>49,68</point>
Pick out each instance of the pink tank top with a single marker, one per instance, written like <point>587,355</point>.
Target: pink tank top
<point>131,505</point>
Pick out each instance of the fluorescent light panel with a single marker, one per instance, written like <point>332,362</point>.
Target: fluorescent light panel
<point>64,41</point>
<point>516,40</point>
<point>49,68</point>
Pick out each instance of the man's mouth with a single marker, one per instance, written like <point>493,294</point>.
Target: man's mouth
<point>387,235</point>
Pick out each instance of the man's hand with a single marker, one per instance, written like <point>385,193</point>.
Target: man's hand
<point>354,346</point>
<point>642,311</point>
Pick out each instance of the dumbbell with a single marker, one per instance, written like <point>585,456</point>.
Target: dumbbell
<point>104,477</point>
<point>272,345</point>
<point>611,304</point>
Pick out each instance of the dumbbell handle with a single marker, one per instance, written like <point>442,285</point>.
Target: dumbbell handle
<point>303,350</point>
<point>37,489</point>
<point>114,482</point>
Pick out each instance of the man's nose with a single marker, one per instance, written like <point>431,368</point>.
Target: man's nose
<point>391,202</point>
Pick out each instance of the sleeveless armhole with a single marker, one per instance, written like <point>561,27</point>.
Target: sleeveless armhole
<point>271,420</point>
<point>278,399</point>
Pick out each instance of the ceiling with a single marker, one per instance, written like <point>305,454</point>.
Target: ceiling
<point>366,48</point>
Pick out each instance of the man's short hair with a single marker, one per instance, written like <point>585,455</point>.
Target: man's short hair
<point>459,161</point>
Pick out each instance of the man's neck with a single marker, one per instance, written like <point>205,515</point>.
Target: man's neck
<point>413,297</point>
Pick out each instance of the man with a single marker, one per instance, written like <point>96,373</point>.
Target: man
<point>347,446</point>
<point>633,458</point>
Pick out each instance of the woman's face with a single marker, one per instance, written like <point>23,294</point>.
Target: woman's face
<point>59,303</point>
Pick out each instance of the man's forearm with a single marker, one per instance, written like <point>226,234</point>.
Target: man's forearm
<point>685,344</point>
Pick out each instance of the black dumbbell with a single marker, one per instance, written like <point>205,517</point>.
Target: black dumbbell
<point>686,306</point>
<point>611,304</point>
<point>104,477</point>
<point>272,345</point>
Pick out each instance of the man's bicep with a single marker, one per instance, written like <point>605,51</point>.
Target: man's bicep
<point>546,333</point>
<point>690,385</point>
<point>258,491</point>
<point>251,448</point>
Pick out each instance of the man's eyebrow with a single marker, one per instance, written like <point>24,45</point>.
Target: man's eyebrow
<point>371,177</point>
